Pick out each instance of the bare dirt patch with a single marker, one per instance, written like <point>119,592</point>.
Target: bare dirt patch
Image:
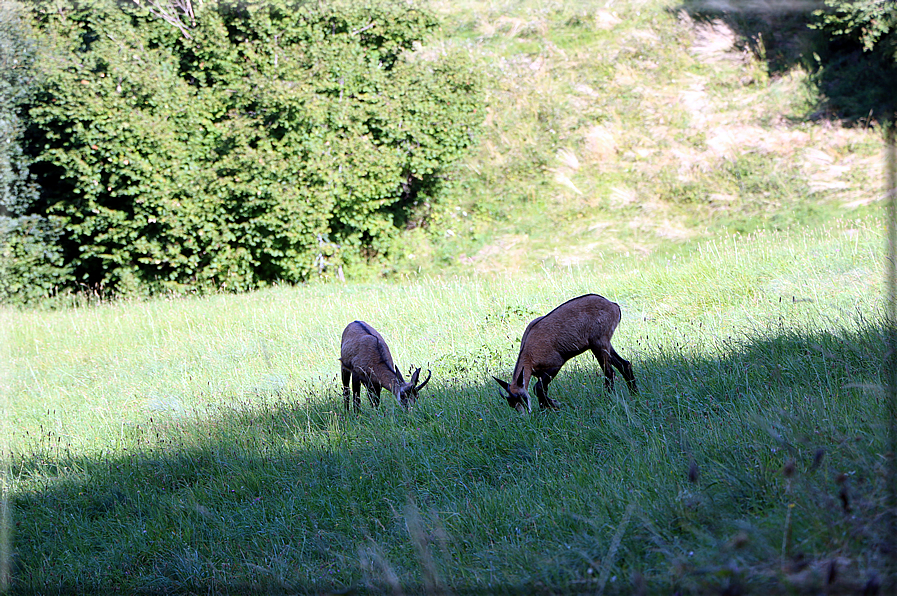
<point>714,41</point>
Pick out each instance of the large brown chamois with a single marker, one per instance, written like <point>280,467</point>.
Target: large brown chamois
<point>584,323</point>
<point>365,359</point>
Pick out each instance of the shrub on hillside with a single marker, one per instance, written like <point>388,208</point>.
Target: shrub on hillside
<point>872,23</point>
<point>261,142</point>
<point>856,69</point>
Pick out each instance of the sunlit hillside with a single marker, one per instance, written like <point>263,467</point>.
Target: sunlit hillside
<point>617,129</point>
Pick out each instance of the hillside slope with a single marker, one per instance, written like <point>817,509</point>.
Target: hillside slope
<point>619,129</point>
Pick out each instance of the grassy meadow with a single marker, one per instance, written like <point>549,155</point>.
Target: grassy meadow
<point>199,444</point>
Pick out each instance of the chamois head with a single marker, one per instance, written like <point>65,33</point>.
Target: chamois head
<point>406,392</point>
<point>516,395</point>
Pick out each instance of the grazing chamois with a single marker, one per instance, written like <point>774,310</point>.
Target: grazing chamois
<point>584,323</point>
<point>365,358</point>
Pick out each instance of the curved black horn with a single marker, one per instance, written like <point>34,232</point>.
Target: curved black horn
<point>427,380</point>
<point>504,384</point>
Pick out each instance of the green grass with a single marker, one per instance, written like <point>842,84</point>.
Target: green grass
<point>199,444</point>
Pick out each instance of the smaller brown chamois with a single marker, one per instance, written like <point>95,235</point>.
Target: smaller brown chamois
<point>584,323</point>
<point>365,359</point>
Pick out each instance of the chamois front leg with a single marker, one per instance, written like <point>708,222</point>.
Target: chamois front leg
<point>374,394</point>
<point>625,368</point>
<point>541,389</point>
<point>603,356</point>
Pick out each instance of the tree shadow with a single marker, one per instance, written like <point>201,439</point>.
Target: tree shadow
<point>855,86</point>
<point>696,475</point>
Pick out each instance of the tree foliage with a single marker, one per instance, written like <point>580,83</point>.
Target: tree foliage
<point>31,264</point>
<point>271,141</point>
<point>872,23</point>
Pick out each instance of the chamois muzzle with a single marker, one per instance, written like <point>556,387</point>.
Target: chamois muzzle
<point>518,401</point>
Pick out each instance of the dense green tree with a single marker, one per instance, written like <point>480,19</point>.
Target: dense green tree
<point>31,264</point>
<point>245,144</point>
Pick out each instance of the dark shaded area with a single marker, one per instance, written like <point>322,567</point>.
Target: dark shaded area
<point>890,367</point>
<point>857,87</point>
<point>244,491</point>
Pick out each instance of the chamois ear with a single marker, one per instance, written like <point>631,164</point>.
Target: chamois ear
<point>520,379</point>
<point>414,377</point>
<point>399,375</point>
<point>504,385</point>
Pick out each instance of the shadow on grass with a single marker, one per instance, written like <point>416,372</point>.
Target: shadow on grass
<point>855,86</point>
<point>763,466</point>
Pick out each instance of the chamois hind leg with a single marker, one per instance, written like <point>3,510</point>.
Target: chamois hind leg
<point>602,354</point>
<point>356,391</point>
<point>625,368</point>
<point>541,389</point>
<point>346,377</point>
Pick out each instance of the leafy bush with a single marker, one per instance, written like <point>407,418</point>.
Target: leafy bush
<point>30,262</point>
<point>870,22</point>
<point>264,142</point>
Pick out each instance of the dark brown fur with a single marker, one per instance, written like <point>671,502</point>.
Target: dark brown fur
<point>584,323</point>
<point>365,359</point>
